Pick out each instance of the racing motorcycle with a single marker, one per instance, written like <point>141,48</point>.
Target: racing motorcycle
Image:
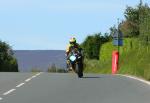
<point>76,62</point>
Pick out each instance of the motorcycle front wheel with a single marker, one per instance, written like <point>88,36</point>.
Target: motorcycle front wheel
<point>79,70</point>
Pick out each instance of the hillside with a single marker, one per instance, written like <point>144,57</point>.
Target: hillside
<point>39,59</point>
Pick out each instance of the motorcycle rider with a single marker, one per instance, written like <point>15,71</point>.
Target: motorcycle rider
<point>72,45</point>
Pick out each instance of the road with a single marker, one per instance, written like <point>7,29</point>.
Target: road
<point>67,88</point>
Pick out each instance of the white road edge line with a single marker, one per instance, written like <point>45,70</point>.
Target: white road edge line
<point>21,84</point>
<point>1,98</point>
<point>136,78</point>
<point>8,92</point>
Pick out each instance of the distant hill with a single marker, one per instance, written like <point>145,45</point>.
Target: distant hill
<point>39,59</point>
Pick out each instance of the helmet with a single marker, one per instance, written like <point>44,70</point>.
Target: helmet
<point>72,40</point>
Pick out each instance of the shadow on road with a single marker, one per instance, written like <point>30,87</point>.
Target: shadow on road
<point>91,77</point>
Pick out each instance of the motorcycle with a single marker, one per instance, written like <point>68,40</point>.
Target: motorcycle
<point>76,62</point>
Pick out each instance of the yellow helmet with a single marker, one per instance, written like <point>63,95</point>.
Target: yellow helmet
<point>72,40</point>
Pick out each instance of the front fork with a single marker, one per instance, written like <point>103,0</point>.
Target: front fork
<point>72,66</point>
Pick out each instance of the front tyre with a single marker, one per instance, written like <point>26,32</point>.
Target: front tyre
<point>79,70</point>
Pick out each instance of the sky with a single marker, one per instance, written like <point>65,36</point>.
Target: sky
<point>49,24</point>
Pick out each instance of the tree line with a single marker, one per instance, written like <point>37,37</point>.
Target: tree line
<point>135,25</point>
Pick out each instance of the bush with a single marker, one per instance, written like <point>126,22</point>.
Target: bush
<point>7,61</point>
<point>54,69</point>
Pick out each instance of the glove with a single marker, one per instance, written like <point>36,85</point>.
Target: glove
<point>68,61</point>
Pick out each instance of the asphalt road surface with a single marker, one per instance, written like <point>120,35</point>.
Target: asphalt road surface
<point>68,88</point>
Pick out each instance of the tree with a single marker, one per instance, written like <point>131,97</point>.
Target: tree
<point>92,44</point>
<point>130,26</point>
<point>137,21</point>
<point>144,11</point>
<point>112,30</point>
<point>7,61</point>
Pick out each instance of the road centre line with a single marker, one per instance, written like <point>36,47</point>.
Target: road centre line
<point>21,84</point>
<point>38,74</point>
<point>27,80</point>
<point>8,92</point>
<point>33,76</point>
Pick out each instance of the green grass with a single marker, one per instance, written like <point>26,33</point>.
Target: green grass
<point>94,66</point>
<point>134,59</point>
<point>136,62</point>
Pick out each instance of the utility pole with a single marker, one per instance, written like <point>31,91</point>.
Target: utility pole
<point>118,34</point>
